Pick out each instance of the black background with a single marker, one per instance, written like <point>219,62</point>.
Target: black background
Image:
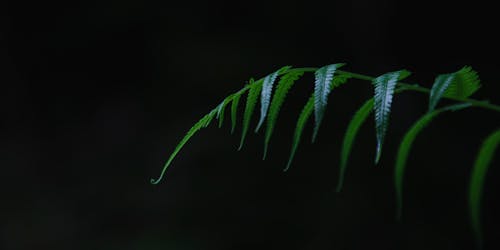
<point>95,96</point>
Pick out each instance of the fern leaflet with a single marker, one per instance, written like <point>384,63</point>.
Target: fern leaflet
<point>221,108</point>
<point>253,94</point>
<point>285,83</point>
<point>234,111</point>
<point>322,88</point>
<point>267,89</point>
<point>301,122</point>
<point>466,83</point>
<point>481,164</point>
<point>384,91</point>
<point>460,84</point>
<point>405,146</point>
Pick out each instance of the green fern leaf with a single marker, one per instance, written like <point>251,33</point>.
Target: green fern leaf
<point>322,88</point>
<point>234,111</point>
<point>285,83</point>
<point>481,164</point>
<point>253,94</point>
<point>460,84</point>
<point>301,122</point>
<point>221,108</point>
<point>405,146</point>
<point>384,91</point>
<point>352,130</point>
<point>267,89</point>
<point>465,84</point>
<point>202,123</point>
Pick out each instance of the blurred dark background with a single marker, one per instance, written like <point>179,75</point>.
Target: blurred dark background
<point>96,95</point>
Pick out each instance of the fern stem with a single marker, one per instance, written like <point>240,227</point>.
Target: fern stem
<point>417,88</point>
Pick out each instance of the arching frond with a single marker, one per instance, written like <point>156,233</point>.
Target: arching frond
<point>483,160</point>
<point>405,146</point>
<point>202,123</point>
<point>349,136</point>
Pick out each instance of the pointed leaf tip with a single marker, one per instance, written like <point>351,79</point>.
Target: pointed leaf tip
<point>301,122</point>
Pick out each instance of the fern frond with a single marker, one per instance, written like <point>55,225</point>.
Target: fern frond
<point>234,111</point>
<point>285,83</point>
<point>267,89</point>
<point>481,165</point>
<point>460,84</point>
<point>384,91</point>
<point>352,130</point>
<point>301,122</point>
<point>253,94</point>
<point>322,88</point>
<point>405,146</point>
<point>202,123</point>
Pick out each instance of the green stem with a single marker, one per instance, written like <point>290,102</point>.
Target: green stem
<point>417,88</point>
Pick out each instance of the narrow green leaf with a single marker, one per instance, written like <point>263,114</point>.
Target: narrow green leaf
<point>478,175</point>
<point>405,146</point>
<point>460,84</point>
<point>285,83</point>
<point>301,122</point>
<point>221,108</point>
<point>352,130</point>
<point>267,89</point>
<point>253,94</point>
<point>234,111</point>
<point>203,122</point>
<point>384,91</point>
<point>322,88</point>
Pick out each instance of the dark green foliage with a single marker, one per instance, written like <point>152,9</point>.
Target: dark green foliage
<point>457,86</point>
